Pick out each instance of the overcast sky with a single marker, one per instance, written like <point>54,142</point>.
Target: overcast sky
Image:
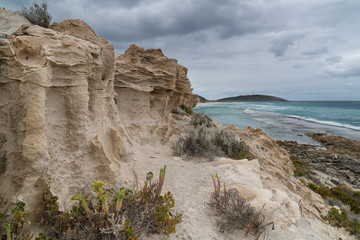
<point>295,49</point>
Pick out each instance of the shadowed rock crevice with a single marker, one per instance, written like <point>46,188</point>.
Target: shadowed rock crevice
<point>2,154</point>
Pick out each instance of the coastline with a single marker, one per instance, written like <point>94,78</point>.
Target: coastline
<point>280,126</point>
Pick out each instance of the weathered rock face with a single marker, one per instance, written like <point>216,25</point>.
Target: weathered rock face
<point>11,23</point>
<point>286,197</point>
<point>59,123</point>
<point>148,86</point>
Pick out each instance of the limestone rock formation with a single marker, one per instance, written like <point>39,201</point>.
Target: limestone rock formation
<point>11,23</point>
<point>148,86</point>
<point>61,121</point>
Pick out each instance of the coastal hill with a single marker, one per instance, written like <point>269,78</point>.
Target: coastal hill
<point>252,98</point>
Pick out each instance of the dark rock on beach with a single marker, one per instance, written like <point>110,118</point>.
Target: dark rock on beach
<point>336,161</point>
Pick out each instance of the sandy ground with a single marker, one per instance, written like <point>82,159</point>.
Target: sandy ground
<point>191,185</point>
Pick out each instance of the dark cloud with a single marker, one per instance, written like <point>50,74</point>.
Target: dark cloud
<point>229,46</point>
<point>281,43</point>
<point>139,20</point>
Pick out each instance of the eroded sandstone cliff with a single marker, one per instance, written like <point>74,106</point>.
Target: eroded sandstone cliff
<point>63,121</point>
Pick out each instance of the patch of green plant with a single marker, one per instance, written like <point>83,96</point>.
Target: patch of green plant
<point>43,236</point>
<point>303,181</point>
<point>301,168</point>
<point>341,219</point>
<point>187,110</point>
<point>204,139</point>
<point>119,214</point>
<point>14,221</point>
<point>182,110</point>
<point>312,186</point>
<point>346,196</point>
<point>334,181</point>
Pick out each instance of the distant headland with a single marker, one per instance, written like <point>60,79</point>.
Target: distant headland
<point>246,98</point>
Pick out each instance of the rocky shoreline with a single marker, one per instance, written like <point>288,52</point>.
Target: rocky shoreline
<point>337,162</point>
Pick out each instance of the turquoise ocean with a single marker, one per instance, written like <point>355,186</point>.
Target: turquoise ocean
<point>290,120</point>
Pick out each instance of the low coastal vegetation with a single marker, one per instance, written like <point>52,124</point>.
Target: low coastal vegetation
<point>203,139</point>
<point>125,213</point>
<point>341,219</point>
<point>182,110</point>
<point>233,212</point>
<point>301,167</point>
<point>37,14</point>
<point>347,201</point>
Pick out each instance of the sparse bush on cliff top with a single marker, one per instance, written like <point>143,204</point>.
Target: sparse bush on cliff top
<point>203,139</point>
<point>37,14</point>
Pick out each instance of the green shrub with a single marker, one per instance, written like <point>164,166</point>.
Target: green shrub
<point>14,221</point>
<point>182,110</point>
<point>341,219</point>
<point>186,109</point>
<point>198,119</point>
<point>312,186</point>
<point>324,192</point>
<point>301,168</point>
<point>346,196</point>
<point>37,14</point>
<point>334,181</point>
<point>203,139</point>
<point>121,214</point>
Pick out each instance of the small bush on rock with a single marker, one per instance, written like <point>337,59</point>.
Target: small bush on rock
<point>198,119</point>
<point>186,109</point>
<point>37,14</point>
<point>232,211</point>
<point>204,139</point>
<point>182,110</point>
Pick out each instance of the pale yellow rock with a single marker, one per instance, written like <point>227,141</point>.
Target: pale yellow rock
<point>62,120</point>
<point>148,86</point>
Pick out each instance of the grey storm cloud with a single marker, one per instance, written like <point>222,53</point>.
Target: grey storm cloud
<point>233,47</point>
<point>280,44</point>
<point>128,20</point>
